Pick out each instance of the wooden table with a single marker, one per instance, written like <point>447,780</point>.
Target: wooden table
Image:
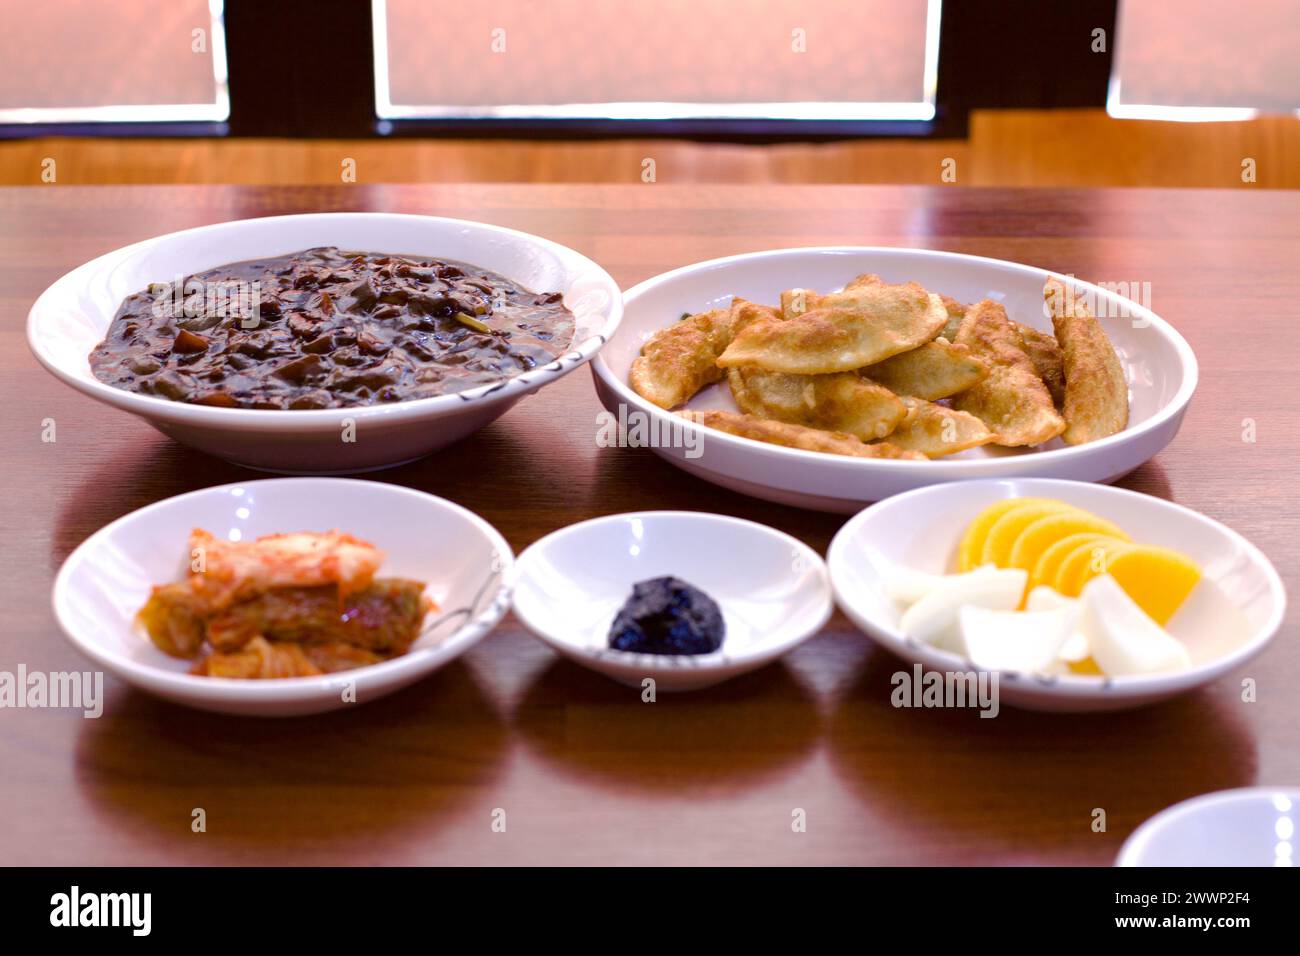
<point>585,772</point>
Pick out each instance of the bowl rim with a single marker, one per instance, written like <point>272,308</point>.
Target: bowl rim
<point>288,689</point>
<point>1070,685</point>
<point>650,664</point>
<point>325,419</point>
<point>944,468</point>
<point>1137,842</point>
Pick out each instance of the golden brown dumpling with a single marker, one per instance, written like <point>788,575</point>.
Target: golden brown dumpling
<point>1012,400</point>
<point>850,330</point>
<point>842,402</point>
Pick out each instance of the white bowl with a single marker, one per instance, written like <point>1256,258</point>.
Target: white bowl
<point>772,589</point>
<point>921,529</point>
<point>71,317</point>
<point>104,582</point>
<point>1158,363</point>
<point>1253,826</point>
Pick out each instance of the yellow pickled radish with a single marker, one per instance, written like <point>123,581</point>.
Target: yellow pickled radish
<point>1035,540</point>
<point>1157,579</point>
<point>1114,551</point>
<point>1049,565</point>
<point>971,550</point>
<point>1064,547</point>
<point>1004,532</point>
<point>1086,562</point>
<point>1086,666</point>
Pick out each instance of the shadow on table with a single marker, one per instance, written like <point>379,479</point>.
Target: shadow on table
<point>738,732</point>
<point>1148,478</point>
<point>384,773</point>
<point>1026,778</point>
<point>149,469</point>
<point>664,487</point>
<point>661,486</point>
<point>481,472</point>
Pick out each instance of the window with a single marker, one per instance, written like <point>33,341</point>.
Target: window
<point>667,59</point>
<point>68,61</point>
<point>1205,59</point>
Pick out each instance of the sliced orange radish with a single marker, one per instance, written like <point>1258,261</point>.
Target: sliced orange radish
<point>1040,535</point>
<point>1085,563</point>
<point>971,549</point>
<point>1003,533</point>
<point>1157,579</point>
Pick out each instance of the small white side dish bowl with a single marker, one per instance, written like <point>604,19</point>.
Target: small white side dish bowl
<point>1228,619</point>
<point>772,589</point>
<point>1252,826</point>
<point>71,317</point>
<point>466,562</point>
<point>1158,363</point>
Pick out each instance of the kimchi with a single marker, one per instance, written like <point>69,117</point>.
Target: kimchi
<point>284,605</point>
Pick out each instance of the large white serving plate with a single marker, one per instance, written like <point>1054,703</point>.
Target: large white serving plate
<point>467,564</point>
<point>71,317</point>
<point>1158,363</point>
<point>1229,617</point>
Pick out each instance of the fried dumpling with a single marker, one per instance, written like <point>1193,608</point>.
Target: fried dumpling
<point>743,313</point>
<point>849,330</point>
<point>1012,400</point>
<point>935,430</point>
<point>678,361</point>
<point>840,402</point>
<point>1096,394</point>
<point>796,436</point>
<point>866,279</point>
<point>1043,351</point>
<point>794,302</point>
<point>956,312</point>
<point>798,301</point>
<point>1041,347</point>
<point>932,371</point>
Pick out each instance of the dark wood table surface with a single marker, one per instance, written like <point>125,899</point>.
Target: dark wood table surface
<point>585,772</point>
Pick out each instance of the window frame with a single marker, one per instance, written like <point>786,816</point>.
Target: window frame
<point>273,95</point>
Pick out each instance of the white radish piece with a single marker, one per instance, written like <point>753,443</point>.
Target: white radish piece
<point>1075,649</point>
<point>908,585</point>
<point>1025,641</point>
<point>1123,638</point>
<point>935,618</point>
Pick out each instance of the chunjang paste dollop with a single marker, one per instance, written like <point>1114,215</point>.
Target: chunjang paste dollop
<point>667,616</point>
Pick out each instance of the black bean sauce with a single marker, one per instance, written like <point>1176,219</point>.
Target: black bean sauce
<point>668,616</point>
<point>325,328</point>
